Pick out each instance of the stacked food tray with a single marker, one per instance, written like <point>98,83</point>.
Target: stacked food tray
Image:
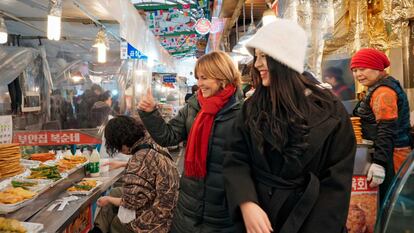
<point>10,160</point>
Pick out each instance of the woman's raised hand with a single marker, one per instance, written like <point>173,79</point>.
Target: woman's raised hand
<point>255,219</point>
<point>147,102</point>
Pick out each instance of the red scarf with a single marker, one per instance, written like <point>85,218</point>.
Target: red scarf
<point>197,143</point>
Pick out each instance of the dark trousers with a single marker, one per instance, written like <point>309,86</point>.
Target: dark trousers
<point>15,93</point>
<point>107,220</point>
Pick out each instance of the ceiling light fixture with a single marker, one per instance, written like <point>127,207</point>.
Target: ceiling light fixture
<point>101,43</point>
<point>3,31</point>
<point>77,76</point>
<point>54,20</point>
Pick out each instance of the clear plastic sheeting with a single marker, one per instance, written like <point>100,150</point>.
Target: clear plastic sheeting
<point>134,30</point>
<point>141,77</point>
<point>46,69</point>
<point>47,79</point>
<point>134,78</point>
<point>317,18</point>
<point>13,61</point>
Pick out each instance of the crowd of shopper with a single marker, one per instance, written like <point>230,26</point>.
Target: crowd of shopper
<point>89,110</point>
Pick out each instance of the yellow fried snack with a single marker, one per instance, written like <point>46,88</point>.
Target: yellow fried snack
<point>14,195</point>
<point>69,162</point>
<point>83,185</point>
<point>11,225</point>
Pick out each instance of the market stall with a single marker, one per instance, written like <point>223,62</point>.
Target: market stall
<point>53,81</point>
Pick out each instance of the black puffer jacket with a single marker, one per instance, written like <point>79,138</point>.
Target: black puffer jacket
<point>202,205</point>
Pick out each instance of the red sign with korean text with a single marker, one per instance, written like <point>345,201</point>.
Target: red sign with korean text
<point>46,138</point>
<point>363,206</point>
<point>360,184</point>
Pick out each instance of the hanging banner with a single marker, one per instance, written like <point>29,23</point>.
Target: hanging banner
<point>6,129</point>
<point>51,138</point>
<point>203,26</point>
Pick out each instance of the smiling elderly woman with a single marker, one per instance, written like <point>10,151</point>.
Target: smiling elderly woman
<point>385,116</point>
<point>204,122</point>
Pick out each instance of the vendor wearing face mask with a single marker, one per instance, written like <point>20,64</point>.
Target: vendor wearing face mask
<point>385,116</point>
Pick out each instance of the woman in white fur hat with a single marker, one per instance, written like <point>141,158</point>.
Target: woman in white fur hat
<point>289,163</point>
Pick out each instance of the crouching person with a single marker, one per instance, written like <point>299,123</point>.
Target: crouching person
<point>146,201</point>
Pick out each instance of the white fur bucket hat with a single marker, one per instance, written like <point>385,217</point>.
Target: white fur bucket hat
<point>283,40</point>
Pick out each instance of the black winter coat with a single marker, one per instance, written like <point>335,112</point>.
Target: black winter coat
<point>308,192</point>
<point>202,205</point>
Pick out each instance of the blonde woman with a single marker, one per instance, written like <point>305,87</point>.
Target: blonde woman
<point>204,122</point>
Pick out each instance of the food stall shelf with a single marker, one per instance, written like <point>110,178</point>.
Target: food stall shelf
<point>62,219</point>
<point>46,197</point>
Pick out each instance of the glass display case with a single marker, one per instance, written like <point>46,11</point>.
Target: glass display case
<point>397,214</point>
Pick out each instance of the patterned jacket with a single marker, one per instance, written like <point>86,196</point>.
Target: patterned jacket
<point>151,183</point>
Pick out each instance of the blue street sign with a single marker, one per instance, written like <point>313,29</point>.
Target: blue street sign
<point>129,52</point>
<point>169,79</point>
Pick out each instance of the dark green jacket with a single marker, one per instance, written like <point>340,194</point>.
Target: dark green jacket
<point>202,205</point>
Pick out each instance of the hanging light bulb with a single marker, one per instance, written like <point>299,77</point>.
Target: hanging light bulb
<point>3,31</point>
<point>76,76</point>
<point>101,44</point>
<point>54,20</point>
<point>268,17</point>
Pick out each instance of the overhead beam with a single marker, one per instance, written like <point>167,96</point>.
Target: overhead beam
<point>68,20</point>
<point>15,18</point>
<point>37,5</point>
<point>161,7</point>
<point>95,20</point>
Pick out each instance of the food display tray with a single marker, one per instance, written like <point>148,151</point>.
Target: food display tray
<point>98,183</point>
<point>32,227</point>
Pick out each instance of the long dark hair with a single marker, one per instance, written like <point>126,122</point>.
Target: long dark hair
<point>282,108</point>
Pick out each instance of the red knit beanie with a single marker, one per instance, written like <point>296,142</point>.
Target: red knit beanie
<point>370,58</point>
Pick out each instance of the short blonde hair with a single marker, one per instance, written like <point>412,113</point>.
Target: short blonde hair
<point>218,65</point>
